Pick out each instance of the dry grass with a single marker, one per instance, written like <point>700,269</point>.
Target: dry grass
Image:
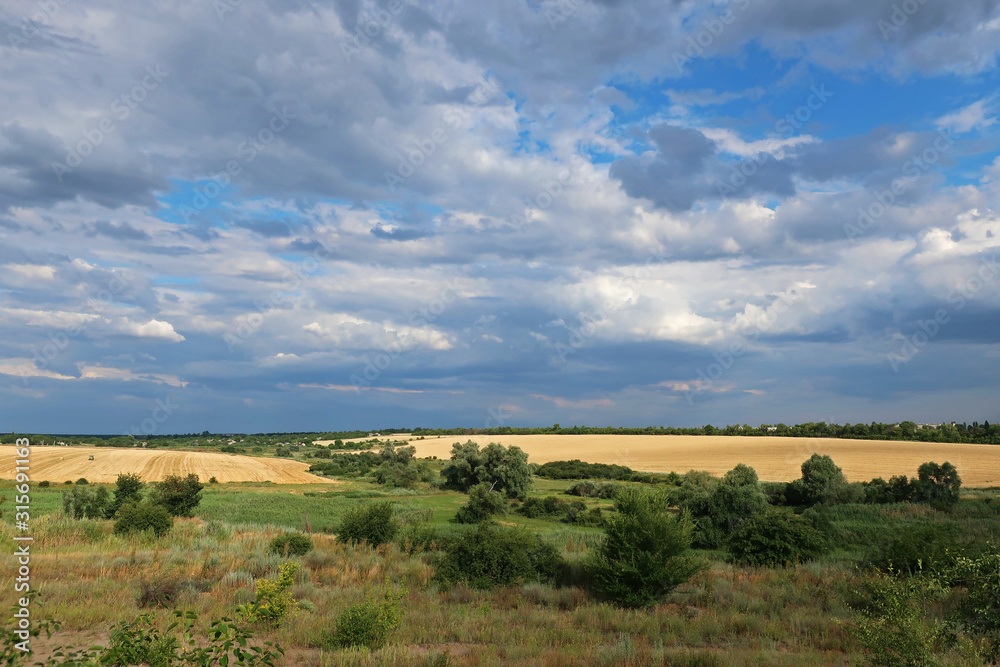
<point>58,464</point>
<point>775,458</point>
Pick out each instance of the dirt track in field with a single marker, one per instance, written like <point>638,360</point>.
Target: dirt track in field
<point>58,464</point>
<point>775,458</point>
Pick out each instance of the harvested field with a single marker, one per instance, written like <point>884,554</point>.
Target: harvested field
<point>775,458</point>
<point>58,464</point>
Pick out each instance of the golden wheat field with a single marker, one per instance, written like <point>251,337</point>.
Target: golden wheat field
<point>58,464</point>
<point>776,459</point>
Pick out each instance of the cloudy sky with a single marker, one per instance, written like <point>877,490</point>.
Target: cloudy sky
<point>247,215</point>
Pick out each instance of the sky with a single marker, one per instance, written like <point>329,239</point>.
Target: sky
<point>251,215</point>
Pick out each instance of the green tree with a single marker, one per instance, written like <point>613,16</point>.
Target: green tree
<point>128,488</point>
<point>179,495</point>
<point>505,467</point>
<point>822,481</point>
<point>645,553</point>
<point>937,485</point>
<point>484,503</point>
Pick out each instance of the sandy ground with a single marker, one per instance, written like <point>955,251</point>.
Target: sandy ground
<point>58,464</point>
<point>775,459</point>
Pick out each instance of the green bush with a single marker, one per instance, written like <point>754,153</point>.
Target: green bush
<point>822,481</point>
<point>645,551</point>
<point>44,484</point>
<point>374,523</point>
<point>128,488</point>
<point>138,517</point>
<point>274,600</point>
<point>774,538</point>
<point>292,544</point>
<point>890,623</point>
<point>366,624</point>
<point>82,481</point>
<point>719,512</point>
<point>925,547</point>
<point>979,609</point>
<point>484,503</point>
<point>86,503</point>
<point>492,555</point>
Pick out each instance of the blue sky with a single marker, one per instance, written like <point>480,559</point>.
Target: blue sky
<point>244,217</point>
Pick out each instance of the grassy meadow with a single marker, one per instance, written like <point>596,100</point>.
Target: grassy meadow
<point>89,578</point>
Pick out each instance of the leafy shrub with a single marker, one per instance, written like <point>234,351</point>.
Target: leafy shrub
<point>898,489</point>
<point>89,503</point>
<point>578,514</point>
<point>374,523</point>
<point>890,625</point>
<point>492,555</point>
<point>128,488</point>
<point>273,600</point>
<point>535,507</point>
<point>140,643</point>
<point>366,624</point>
<point>484,503</point>
<point>137,517</point>
<point>720,511</point>
<point>44,484</point>
<point>212,480</point>
<point>292,544</point>
<point>594,489</point>
<point>917,548</point>
<point>180,495</point>
<point>645,551</point>
<point>774,538</point>
<point>980,607</point>
<point>159,593</point>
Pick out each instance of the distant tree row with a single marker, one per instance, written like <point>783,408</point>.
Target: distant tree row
<point>978,433</point>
